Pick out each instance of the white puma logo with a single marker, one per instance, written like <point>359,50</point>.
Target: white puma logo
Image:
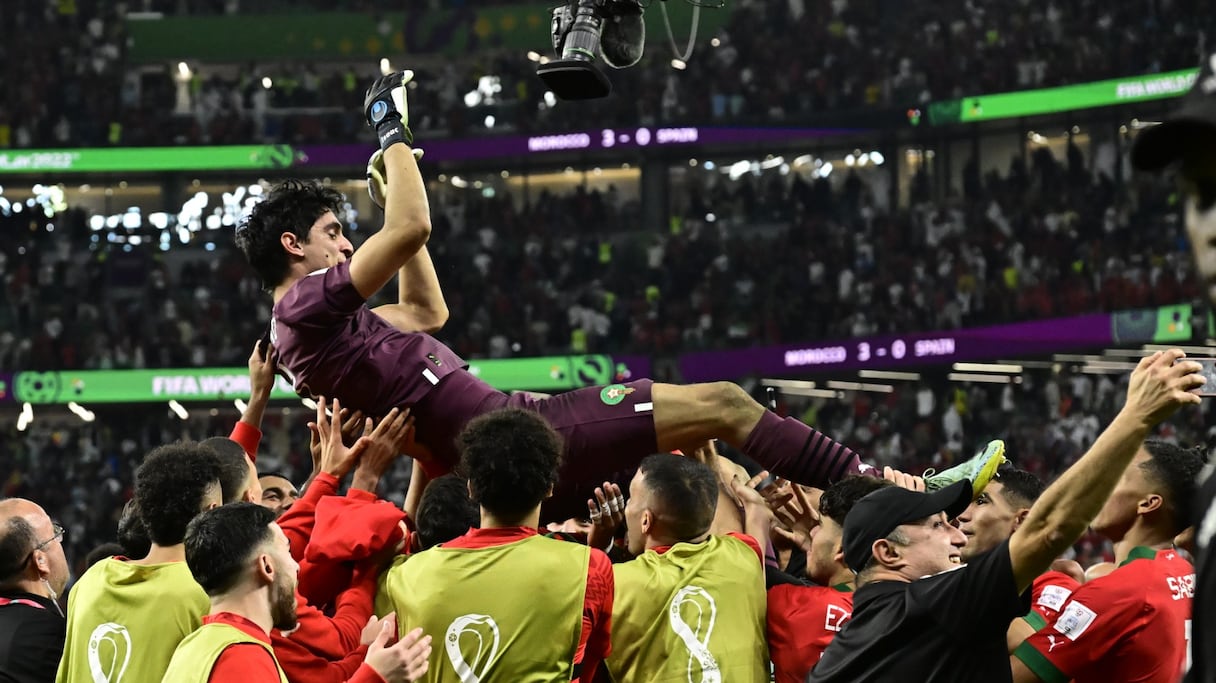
<point>1051,643</point>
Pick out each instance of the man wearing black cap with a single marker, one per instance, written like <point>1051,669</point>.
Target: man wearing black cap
<point>1187,141</point>
<point>919,614</point>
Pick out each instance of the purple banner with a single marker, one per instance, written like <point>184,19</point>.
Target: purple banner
<point>516,146</point>
<point>629,368</point>
<point>893,351</point>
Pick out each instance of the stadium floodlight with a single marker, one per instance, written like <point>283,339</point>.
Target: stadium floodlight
<point>25,418</point>
<point>816,393</point>
<point>788,384</point>
<point>989,379</point>
<point>81,412</point>
<point>887,374</point>
<point>861,386</point>
<point>988,367</point>
<point>178,409</point>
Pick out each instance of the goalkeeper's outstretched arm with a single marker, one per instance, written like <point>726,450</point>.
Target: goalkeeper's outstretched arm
<point>407,214</point>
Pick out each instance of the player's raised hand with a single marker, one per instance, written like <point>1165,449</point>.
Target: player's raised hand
<point>377,176</point>
<point>799,512</point>
<point>261,370</point>
<point>337,459</point>
<point>402,662</point>
<point>607,511</point>
<point>380,448</point>
<point>903,479</point>
<point>1160,384</point>
<point>385,109</point>
<point>746,493</point>
<point>354,425</point>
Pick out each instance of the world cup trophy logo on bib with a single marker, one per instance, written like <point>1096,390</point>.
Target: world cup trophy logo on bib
<point>109,653</point>
<point>692,613</point>
<point>481,646</point>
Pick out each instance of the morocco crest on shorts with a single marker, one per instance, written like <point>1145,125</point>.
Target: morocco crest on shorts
<point>615,393</point>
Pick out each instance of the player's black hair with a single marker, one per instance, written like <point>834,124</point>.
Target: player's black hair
<point>445,511</point>
<point>170,487</point>
<point>510,458</point>
<point>1176,469</point>
<point>840,497</point>
<point>132,535</point>
<point>17,540</point>
<point>275,473</point>
<point>685,490</point>
<point>1019,487</point>
<point>101,552</point>
<point>234,467</point>
<point>291,206</point>
<point>220,542</point>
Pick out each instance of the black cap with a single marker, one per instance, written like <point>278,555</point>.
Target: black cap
<point>1162,145</point>
<point>875,516</point>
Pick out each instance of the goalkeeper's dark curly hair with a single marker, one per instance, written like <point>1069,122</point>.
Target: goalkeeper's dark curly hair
<point>1176,469</point>
<point>510,458</point>
<point>840,497</point>
<point>292,206</point>
<point>171,486</point>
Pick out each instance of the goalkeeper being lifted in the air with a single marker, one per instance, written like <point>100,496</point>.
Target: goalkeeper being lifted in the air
<point>330,344</point>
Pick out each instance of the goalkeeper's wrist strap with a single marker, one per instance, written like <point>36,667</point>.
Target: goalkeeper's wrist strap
<point>392,131</point>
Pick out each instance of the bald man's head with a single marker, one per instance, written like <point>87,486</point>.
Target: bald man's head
<point>31,549</point>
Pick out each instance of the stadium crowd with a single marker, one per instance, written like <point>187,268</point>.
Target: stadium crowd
<point>679,566</point>
<point>563,274</point>
<point>776,61</point>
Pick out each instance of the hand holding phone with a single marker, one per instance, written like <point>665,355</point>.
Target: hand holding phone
<point>1209,374</point>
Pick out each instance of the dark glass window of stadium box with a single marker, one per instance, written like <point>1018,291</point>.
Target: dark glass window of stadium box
<point>737,191</point>
<point>564,200</point>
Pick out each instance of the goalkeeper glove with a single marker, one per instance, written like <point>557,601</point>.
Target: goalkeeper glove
<point>385,109</point>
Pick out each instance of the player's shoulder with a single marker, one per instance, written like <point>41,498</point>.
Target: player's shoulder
<point>1145,565</point>
<point>808,595</point>
<point>1054,579</point>
<point>738,540</point>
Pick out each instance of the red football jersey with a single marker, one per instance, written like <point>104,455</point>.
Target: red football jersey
<point>1131,625</point>
<point>802,620</point>
<point>1048,595</point>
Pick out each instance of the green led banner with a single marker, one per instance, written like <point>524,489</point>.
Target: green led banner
<point>1064,98</point>
<point>1173,324</point>
<point>136,159</point>
<point>552,373</point>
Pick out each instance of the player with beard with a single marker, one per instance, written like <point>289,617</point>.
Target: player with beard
<point>241,559</point>
<point>330,343</point>
<point>1133,624</point>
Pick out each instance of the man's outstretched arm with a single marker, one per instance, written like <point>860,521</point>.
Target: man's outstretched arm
<point>1159,386</point>
<point>407,213</point>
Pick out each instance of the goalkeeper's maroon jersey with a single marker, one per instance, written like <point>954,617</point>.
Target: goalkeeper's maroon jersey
<point>330,344</point>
